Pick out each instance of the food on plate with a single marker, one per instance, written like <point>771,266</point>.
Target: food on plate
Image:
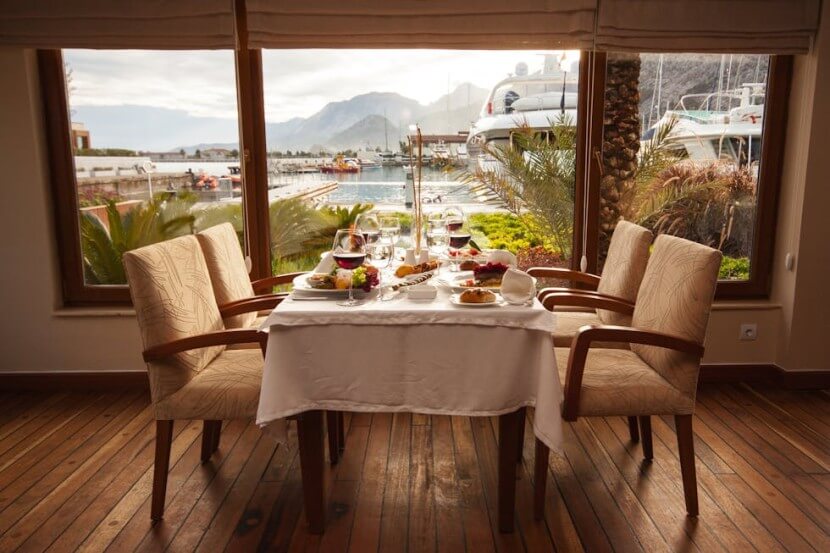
<point>477,295</point>
<point>488,275</point>
<point>406,270</point>
<point>464,254</point>
<point>364,277</point>
<point>468,265</point>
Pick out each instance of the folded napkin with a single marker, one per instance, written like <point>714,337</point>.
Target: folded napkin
<point>326,263</point>
<point>502,256</point>
<point>517,287</point>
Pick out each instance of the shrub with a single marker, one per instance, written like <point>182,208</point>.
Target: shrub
<point>734,268</point>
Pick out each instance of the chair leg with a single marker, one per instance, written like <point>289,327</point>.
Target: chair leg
<point>210,438</point>
<point>164,439</point>
<point>333,433</point>
<point>217,435</point>
<point>645,434</point>
<point>686,448</point>
<point>521,443</point>
<point>341,431</point>
<point>540,479</point>
<point>632,429</point>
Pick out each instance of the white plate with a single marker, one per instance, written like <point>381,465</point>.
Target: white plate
<point>455,299</point>
<point>454,280</point>
<point>480,258</point>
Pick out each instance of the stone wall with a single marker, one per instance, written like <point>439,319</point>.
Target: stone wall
<point>621,141</point>
<point>133,187</point>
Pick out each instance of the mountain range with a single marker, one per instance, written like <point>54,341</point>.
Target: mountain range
<point>364,121</point>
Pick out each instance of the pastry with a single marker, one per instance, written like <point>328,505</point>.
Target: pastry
<point>477,295</point>
<point>404,270</point>
<point>468,265</point>
<point>489,274</point>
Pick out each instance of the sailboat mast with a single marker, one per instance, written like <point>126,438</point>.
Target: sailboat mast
<point>385,131</point>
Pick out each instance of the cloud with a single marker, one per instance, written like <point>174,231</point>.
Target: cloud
<point>298,83</point>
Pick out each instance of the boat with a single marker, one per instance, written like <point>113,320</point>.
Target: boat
<point>368,164</point>
<point>388,158</point>
<point>341,165</point>
<point>717,126</point>
<point>535,101</point>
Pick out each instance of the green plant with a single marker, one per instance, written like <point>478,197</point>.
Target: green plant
<point>535,180</point>
<point>503,231</point>
<point>148,223</point>
<point>734,268</point>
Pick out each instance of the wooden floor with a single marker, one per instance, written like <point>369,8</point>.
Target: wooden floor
<point>76,470</point>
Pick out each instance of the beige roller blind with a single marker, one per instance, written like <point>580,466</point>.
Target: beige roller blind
<point>164,24</point>
<point>748,26</point>
<point>489,24</point>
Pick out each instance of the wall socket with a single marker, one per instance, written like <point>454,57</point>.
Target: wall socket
<point>749,331</point>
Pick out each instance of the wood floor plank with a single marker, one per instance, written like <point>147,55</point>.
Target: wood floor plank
<point>76,474</point>
<point>394,525</point>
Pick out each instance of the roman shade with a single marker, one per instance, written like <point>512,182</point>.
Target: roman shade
<point>484,24</point>
<point>739,26</point>
<point>148,24</point>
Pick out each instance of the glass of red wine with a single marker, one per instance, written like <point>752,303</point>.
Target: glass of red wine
<point>349,252</point>
<point>458,234</point>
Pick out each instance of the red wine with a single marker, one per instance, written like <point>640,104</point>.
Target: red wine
<point>459,240</point>
<point>349,260</point>
<point>453,226</point>
<point>371,236</point>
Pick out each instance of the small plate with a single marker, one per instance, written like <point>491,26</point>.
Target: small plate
<point>302,287</point>
<point>454,280</point>
<point>455,299</point>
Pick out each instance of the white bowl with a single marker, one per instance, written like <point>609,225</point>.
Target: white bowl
<point>422,292</point>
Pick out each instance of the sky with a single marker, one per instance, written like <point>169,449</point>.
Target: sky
<point>298,83</point>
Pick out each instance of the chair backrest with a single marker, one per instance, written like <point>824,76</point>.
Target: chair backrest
<point>676,298</point>
<point>228,271</point>
<point>624,268</point>
<point>172,296</point>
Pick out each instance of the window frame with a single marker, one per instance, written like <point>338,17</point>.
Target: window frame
<point>776,107</point>
<point>255,205</point>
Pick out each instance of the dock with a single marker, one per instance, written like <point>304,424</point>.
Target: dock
<point>303,190</point>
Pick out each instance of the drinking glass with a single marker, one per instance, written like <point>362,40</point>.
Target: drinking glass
<point>368,225</point>
<point>436,231</point>
<point>390,232</point>
<point>349,252</point>
<point>458,234</point>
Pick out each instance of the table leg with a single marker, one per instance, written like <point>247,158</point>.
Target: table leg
<point>508,452</point>
<point>332,420</point>
<point>310,437</point>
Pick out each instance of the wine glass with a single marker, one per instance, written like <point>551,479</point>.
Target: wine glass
<point>368,225</point>
<point>390,232</point>
<point>436,232</point>
<point>349,252</point>
<point>458,233</point>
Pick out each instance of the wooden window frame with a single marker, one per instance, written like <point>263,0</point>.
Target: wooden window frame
<point>776,106</point>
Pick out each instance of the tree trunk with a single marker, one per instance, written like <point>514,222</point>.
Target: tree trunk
<point>621,141</point>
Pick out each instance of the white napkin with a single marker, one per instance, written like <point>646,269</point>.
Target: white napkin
<point>502,256</point>
<point>326,263</point>
<point>517,287</point>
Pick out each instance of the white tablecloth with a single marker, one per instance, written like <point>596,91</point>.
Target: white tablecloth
<point>402,355</point>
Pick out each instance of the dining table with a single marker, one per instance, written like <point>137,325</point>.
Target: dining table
<point>393,353</point>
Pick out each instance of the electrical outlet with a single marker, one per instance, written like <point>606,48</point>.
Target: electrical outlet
<point>749,331</point>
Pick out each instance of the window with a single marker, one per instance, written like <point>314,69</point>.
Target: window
<point>338,133</point>
<point>154,155</point>
<point>690,146</point>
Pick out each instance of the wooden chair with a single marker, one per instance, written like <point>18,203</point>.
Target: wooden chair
<point>620,280</point>
<point>238,303</point>
<point>658,375</point>
<point>193,376</point>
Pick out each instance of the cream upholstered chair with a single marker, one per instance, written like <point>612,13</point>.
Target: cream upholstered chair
<point>620,280</point>
<point>193,376</point>
<point>235,294</point>
<point>658,375</point>
<point>232,286</point>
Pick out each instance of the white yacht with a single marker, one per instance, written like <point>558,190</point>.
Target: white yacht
<point>536,100</point>
<point>724,125</point>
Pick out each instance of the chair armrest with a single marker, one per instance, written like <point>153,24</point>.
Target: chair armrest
<point>268,283</point>
<point>564,274</point>
<point>541,294</point>
<point>206,340</point>
<point>608,333</point>
<point>255,303</point>
<point>597,301</point>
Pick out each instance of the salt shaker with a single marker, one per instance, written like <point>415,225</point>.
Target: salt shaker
<point>409,259</point>
<point>424,257</point>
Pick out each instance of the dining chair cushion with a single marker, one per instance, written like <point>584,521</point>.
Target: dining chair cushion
<point>624,267</point>
<point>228,388</point>
<point>228,270</point>
<point>675,298</point>
<point>619,382</point>
<point>172,296</point>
